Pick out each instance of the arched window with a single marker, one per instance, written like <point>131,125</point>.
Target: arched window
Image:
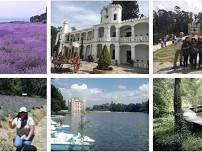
<point>115,17</point>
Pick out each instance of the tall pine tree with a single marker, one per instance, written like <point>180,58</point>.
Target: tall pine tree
<point>130,9</point>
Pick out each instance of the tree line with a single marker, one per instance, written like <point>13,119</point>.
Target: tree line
<point>33,87</point>
<point>172,22</point>
<point>119,107</point>
<point>57,100</point>
<point>39,18</point>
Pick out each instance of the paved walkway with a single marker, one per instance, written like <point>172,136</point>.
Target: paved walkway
<point>87,68</point>
<point>158,46</point>
<point>167,68</point>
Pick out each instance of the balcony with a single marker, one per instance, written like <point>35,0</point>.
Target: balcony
<point>114,39</point>
<point>125,39</point>
<point>141,39</point>
<point>100,39</point>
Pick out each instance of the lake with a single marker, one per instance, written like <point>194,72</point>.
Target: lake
<point>113,131</point>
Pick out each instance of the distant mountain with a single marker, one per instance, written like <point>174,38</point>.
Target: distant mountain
<point>8,20</point>
<point>39,18</point>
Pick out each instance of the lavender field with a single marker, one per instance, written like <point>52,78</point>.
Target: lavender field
<point>22,48</point>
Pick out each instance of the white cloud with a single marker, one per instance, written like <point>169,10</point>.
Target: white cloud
<point>144,87</point>
<point>94,96</point>
<point>79,87</point>
<point>79,17</point>
<point>121,87</point>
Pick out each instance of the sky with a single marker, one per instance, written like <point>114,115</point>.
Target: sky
<point>83,14</point>
<point>101,90</point>
<point>194,6</point>
<point>21,9</point>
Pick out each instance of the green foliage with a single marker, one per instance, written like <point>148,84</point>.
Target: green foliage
<point>104,60</point>
<point>39,18</point>
<point>33,87</point>
<point>172,22</point>
<point>168,143</point>
<point>118,107</point>
<point>163,95</point>
<point>57,101</point>
<point>54,48</point>
<point>192,144</point>
<point>130,9</point>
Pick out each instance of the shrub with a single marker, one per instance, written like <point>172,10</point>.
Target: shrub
<point>192,144</point>
<point>104,60</point>
<point>168,142</point>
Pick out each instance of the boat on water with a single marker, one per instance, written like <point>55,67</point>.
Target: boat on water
<point>65,142</point>
<point>59,127</point>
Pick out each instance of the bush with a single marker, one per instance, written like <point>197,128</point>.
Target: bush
<point>168,142</point>
<point>105,59</point>
<point>192,144</point>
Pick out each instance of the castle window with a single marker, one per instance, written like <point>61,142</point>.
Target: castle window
<point>115,16</point>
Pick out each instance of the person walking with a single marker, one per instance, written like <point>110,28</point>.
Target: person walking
<point>185,51</point>
<point>179,42</point>
<point>25,127</point>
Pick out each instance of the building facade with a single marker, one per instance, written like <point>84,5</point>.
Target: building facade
<point>76,106</point>
<point>194,28</point>
<point>127,41</point>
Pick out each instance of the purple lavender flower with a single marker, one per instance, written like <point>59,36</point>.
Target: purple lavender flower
<point>22,48</point>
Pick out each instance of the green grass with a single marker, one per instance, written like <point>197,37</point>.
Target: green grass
<point>166,139</point>
<point>165,54</point>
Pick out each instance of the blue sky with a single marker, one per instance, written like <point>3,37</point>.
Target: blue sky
<point>187,5</point>
<point>102,90</point>
<point>19,9</point>
<point>83,14</point>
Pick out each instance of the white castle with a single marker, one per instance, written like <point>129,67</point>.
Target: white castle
<point>127,41</point>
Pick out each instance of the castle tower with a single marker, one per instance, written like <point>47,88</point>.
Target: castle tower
<point>65,27</point>
<point>111,14</point>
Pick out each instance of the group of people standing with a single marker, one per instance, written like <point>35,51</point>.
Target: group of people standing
<point>189,50</point>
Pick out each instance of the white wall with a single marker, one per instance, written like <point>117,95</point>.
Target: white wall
<point>142,53</point>
<point>141,28</point>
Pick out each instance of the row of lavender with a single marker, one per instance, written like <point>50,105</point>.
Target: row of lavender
<point>22,48</point>
<point>11,104</point>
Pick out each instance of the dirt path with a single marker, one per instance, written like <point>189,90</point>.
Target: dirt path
<point>40,139</point>
<point>158,46</point>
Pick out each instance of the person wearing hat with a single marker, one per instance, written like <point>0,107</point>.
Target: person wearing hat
<point>25,126</point>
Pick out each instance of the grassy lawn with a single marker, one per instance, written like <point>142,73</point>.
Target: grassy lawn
<point>166,139</point>
<point>165,54</point>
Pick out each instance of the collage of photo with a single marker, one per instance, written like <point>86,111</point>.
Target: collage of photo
<point>101,75</point>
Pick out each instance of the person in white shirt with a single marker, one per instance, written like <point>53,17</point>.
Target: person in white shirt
<point>25,126</point>
<point>179,42</point>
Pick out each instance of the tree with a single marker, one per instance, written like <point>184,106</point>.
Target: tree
<point>178,106</point>
<point>54,32</point>
<point>130,9</point>
<point>105,59</point>
<point>57,101</point>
